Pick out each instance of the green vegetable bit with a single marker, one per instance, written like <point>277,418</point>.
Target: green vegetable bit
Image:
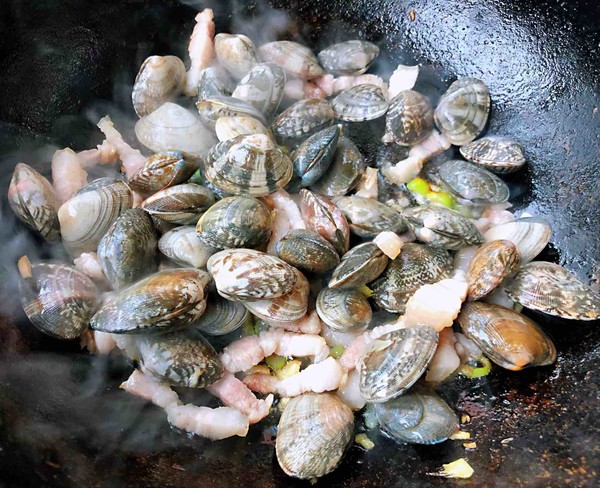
<point>337,351</point>
<point>477,371</point>
<point>276,362</point>
<point>419,185</point>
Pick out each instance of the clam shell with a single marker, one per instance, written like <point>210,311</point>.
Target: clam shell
<point>368,217</point>
<point>344,310</point>
<point>473,183</point>
<point>236,53</point>
<point>398,414</point>
<point>493,262</point>
<point>497,154</point>
<point>359,266</point>
<point>307,250</point>
<point>214,82</point>
<point>302,119</point>
<point>160,171</point>
<point>360,103</point>
<point>348,58</point>
<point>313,434</point>
<point>312,158</point>
<point>530,235</point>
<point>229,127</point>
<point>409,118</point>
<point>294,58</point>
<point>183,246</point>
<point>180,204</point>
<point>508,338</point>
<point>263,88</point>
<point>221,316</point>
<point>211,109</point>
<point>550,288</point>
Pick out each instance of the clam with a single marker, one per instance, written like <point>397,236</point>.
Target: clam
<point>160,79</point>
<point>359,266</point>
<point>344,310</point>
<point>398,414</point>
<point>508,338</point>
<point>360,103</point>
<point>463,110</point>
<point>417,265</point>
<point>307,250</point>
<point>236,53</point>
<point>88,214</point>
<point>245,274</point>
<point>162,302</point>
<point>530,235</point>
<point>550,288</point>
<point>221,316</point>
<point>368,217</point>
<point>248,165</point>
<point>493,262</point>
<point>180,204</point>
<point>211,109</point>
<point>395,361</point>
<point>409,119</point>
<point>302,119</point>
<point>348,58</point>
<point>229,127</point>
<point>294,58</point>
<point>183,246</point>
<point>160,171</point>
<point>127,252</point>
<point>498,154</point>
<point>236,222</point>
<point>174,128</point>
<point>57,299</point>
<point>442,227</point>
<point>214,82</point>
<point>313,434</point>
<point>32,199</point>
<point>323,216</point>
<point>312,158</point>
<point>263,88</point>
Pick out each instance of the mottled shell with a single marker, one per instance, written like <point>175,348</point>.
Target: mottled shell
<point>162,302</point>
<point>313,434</point>
<point>180,204</point>
<point>348,58</point>
<point>463,110</point>
<point>493,262</point>
<point>183,246</point>
<point>236,222</point>
<point>442,227</point>
<point>160,171</point>
<point>302,119</point>
<point>409,119</point>
<point>57,299</point>
<point>236,53</point>
<point>395,361</point>
<point>87,215</point>
<point>221,316</point>
<point>294,58</point>
<point>160,80</point>
<point>324,217</point>
<point>550,288</point>
<point>360,103</point>
<point>530,235</point>
<point>398,414</point>
<point>307,250</point>
<point>312,158</point>
<point>211,109</point>
<point>473,183</point>
<point>248,165</point>
<point>263,88</point>
<point>417,265</point>
<point>344,310</point>
<point>229,127</point>
<point>498,154</point>
<point>246,274</point>
<point>127,252</point>
<point>368,217</point>
<point>214,82</point>
<point>32,199</point>
<point>359,266</point>
<point>508,338</point>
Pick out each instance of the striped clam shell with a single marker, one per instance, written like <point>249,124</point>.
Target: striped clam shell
<point>497,154</point>
<point>344,310</point>
<point>493,262</point>
<point>263,88</point>
<point>409,119</point>
<point>472,183</point>
<point>214,82</point>
<point>348,58</point>
<point>183,246</point>
<point>160,171</point>
<point>229,127</point>
<point>302,119</point>
<point>312,158</point>
<point>360,103</point>
<point>359,266</point>
<point>221,316</point>
<point>236,53</point>
<point>211,109</point>
<point>179,204</point>
<point>530,234</point>
<point>307,250</point>
<point>368,217</point>
<point>294,58</point>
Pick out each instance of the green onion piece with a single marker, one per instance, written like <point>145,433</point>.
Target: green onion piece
<point>275,362</point>
<point>363,441</point>
<point>365,290</point>
<point>337,351</point>
<point>477,371</point>
<point>250,326</point>
<point>419,185</point>
<point>443,198</point>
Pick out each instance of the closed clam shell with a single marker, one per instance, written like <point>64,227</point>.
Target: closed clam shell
<point>236,222</point>
<point>183,246</point>
<point>181,358</point>
<point>211,109</point>
<point>530,234</point>
<point>221,316</point>
<point>162,302</point>
<point>497,154</point>
<point>360,103</point>
<point>508,338</point>
<point>417,265</point>
<point>57,299</point>
<point>87,215</point>
<point>229,127</point>
<point>493,262</point>
<point>368,217</point>
<point>473,183</point>
<point>359,266</point>
<point>294,58</point>
<point>302,119</point>
<point>314,432</point>
<point>550,288</point>
<point>312,158</point>
<point>160,79</point>
<point>180,204</point>
<point>344,309</point>
<point>463,110</point>
<point>236,53</point>
<point>442,227</point>
<point>32,199</point>
<point>246,274</point>
<point>160,171</point>
<point>127,252</point>
<point>400,413</point>
<point>263,88</point>
<point>214,82</point>
<point>409,118</point>
<point>248,165</point>
<point>395,361</point>
<point>348,58</point>
<point>307,250</point>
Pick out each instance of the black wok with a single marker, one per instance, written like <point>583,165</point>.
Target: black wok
<point>63,63</point>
